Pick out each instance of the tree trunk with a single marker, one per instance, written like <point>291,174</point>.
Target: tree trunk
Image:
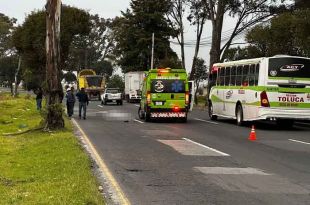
<point>198,37</point>
<point>54,119</point>
<point>16,76</point>
<point>217,25</point>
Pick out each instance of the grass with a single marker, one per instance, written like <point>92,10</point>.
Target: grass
<point>41,167</point>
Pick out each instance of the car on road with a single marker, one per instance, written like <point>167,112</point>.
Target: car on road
<point>112,95</point>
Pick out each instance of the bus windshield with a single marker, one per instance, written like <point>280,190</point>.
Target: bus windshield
<point>282,68</point>
<point>167,86</point>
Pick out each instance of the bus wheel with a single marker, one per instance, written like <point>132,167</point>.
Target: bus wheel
<point>141,114</point>
<point>239,115</point>
<point>210,111</point>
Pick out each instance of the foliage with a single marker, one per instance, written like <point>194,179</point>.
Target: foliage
<point>133,34</point>
<point>286,34</point>
<point>200,74</point>
<point>69,77</point>
<point>116,81</point>
<point>92,50</point>
<point>29,40</point>
<point>8,66</point>
<point>6,29</point>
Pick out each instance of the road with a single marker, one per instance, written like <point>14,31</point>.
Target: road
<point>200,162</point>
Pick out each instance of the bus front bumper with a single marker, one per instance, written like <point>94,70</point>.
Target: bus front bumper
<point>271,113</point>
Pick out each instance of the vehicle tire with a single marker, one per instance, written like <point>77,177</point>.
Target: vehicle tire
<point>210,112</point>
<point>239,115</point>
<point>121,102</point>
<point>147,117</point>
<point>105,102</point>
<point>141,114</point>
<point>285,123</point>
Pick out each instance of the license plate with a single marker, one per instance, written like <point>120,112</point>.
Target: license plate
<point>168,114</point>
<point>114,100</point>
<point>158,103</point>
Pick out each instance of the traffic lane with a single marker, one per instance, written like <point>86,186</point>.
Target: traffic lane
<point>272,151</point>
<point>155,130</point>
<point>151,173</point>
<point>144,168</point>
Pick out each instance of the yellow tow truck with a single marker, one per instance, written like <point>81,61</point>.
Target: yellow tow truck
<point>93,84</point>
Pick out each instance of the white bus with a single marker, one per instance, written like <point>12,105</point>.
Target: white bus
<point>273,88</point>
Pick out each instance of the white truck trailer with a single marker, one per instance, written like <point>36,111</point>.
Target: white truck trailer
<point>133,85</point>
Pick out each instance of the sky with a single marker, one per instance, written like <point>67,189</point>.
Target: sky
<point>110,9</point>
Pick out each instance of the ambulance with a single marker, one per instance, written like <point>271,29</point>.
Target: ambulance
<point>165,94</point>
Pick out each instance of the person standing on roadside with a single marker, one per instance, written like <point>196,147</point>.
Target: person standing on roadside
<point>39,97</point>
<point>83,102</point>
<point>70,101</point>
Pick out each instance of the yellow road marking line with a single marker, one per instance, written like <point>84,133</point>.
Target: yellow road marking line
<point>104,168</point>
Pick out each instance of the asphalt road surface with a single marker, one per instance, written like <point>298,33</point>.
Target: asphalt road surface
<point>200,162</point>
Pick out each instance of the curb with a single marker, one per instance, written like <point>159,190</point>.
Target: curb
<point>112,189</point>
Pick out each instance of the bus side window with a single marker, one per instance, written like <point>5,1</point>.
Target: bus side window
<point>227,76</point>
<point>256,74</point>
<point>239,76</point>
<point>252,77</point>
<point>245,75</point>
<point>222,77</point>
<point>233,75</point>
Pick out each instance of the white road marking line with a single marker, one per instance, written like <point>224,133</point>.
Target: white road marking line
<point>230,170</point>
<point>214,150</point>
<point>138,121</point>
<point>206,121</point>
<point>100,106</point>
<point>136,105</point>
<point>299,141</point>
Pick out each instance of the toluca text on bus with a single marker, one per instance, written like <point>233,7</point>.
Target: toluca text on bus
<point>273,88</point>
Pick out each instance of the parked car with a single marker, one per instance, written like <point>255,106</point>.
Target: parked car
<point>113,95</point>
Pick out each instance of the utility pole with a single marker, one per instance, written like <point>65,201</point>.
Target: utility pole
<point>54,93</point>
<point>152,59</point>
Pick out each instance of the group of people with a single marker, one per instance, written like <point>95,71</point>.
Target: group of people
<point>70,101</point>
<point>83,102</point>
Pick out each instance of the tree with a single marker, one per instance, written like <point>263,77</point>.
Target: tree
<point>86,51</point>
<point>199,75</point>
<point>116,81</point>
<point>133,32</point>
<point>8,66</point>
<point>29,40</point>
<point>175,16</point>
<point>291,27</point>
<point>53,90</point>
<point>197,17</point>
<point>248,13</point>
<point>6,29</point>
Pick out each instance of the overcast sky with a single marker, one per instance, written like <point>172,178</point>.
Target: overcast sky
<point>107,9</point>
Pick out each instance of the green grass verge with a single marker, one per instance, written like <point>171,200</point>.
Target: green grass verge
<point>40,167</point>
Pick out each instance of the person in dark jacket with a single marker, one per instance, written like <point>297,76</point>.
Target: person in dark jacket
<point>39,97</point>
<point>70,101</point>
<point>83,102</point>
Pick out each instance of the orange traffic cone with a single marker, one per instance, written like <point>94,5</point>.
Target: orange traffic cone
<point>252,136</point>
